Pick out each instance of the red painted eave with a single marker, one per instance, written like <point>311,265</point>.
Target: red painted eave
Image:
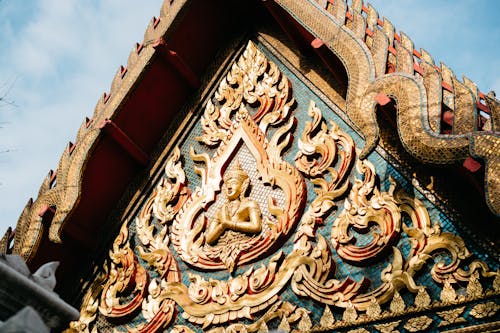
<point>129,137</point>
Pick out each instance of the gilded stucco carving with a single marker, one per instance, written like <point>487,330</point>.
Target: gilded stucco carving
<point>248,194</point>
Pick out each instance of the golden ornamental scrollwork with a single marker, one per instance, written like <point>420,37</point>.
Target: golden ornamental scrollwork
<point>128,288</point>
<point>230,229</point>
<point>125,273</point>
<point>484,310</point>
<point>418,324</point>
<point>388,327</point>
<point>452,316</point>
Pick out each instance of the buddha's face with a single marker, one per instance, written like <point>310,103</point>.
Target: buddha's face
<point>232,188</point>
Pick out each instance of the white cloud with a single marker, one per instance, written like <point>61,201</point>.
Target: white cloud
<point>64,54</point>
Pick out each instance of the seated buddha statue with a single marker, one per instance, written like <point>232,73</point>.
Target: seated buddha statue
<point>239,213</point>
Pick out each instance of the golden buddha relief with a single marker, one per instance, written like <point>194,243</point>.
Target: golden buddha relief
<point>239,213</point>
<point>233,218</point>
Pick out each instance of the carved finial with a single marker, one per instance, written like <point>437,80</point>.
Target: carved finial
<point>5,241</point>
<point>397,303</point>
<point>422,300</point>
<point>357,5</point>
<point>372,17</point>
<point>474,287</point>
<point>448,294</point>
<point>350,315</point>
<point>406,42</point>
<point>373,310</point>
<point>284,325</point>
<point>305,323</point>
<point>388,29</point>
<point>426,56</point>
<point>263,327</point>
<point>327,319</point>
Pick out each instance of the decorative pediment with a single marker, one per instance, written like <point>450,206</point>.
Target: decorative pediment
<point>267,217</point>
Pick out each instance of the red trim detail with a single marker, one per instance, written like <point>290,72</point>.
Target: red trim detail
<point>123,71</point>
<point>138,47</point>
<point>53,176</point>
<point>418,69</point>
<point>448,117</point>
<point>382,99</point>
<point>471,164</point>
<point>390,67</point>
<point>105,97</point>
<point>446,86</point>
<point>396,37</point>
<point>317,43</point>
<point>71,147</point>
<point>417,54</point>
<point>156,21</point>
<point>45,209</point>
<point>122,139</point>
<point>392,50</point>
<point>369,32</point>
<point>482,107</point>
<point>348,16</point>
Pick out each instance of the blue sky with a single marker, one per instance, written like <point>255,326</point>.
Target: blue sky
<point>58,57</point>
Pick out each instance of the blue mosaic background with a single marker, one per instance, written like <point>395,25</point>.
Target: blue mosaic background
<point>303,95</point>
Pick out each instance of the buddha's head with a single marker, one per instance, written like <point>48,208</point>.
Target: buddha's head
<point>236,182</point>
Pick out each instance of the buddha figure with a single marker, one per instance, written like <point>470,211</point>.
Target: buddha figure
<point>240,213</point>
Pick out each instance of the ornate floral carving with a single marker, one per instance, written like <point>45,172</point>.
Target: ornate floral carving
<point>327,319</point>
<point>373,310</point>
<point>452,316</point>
<point>397,304</point>
<point>388,327</point>
<point>253,81</point>
<point>350,315</point>
<point>448,294</point>
<point>418,324</point>
<point>361,213</point>
<point>171,196</point>
<point>483,310</point>
<point>125,274</point>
